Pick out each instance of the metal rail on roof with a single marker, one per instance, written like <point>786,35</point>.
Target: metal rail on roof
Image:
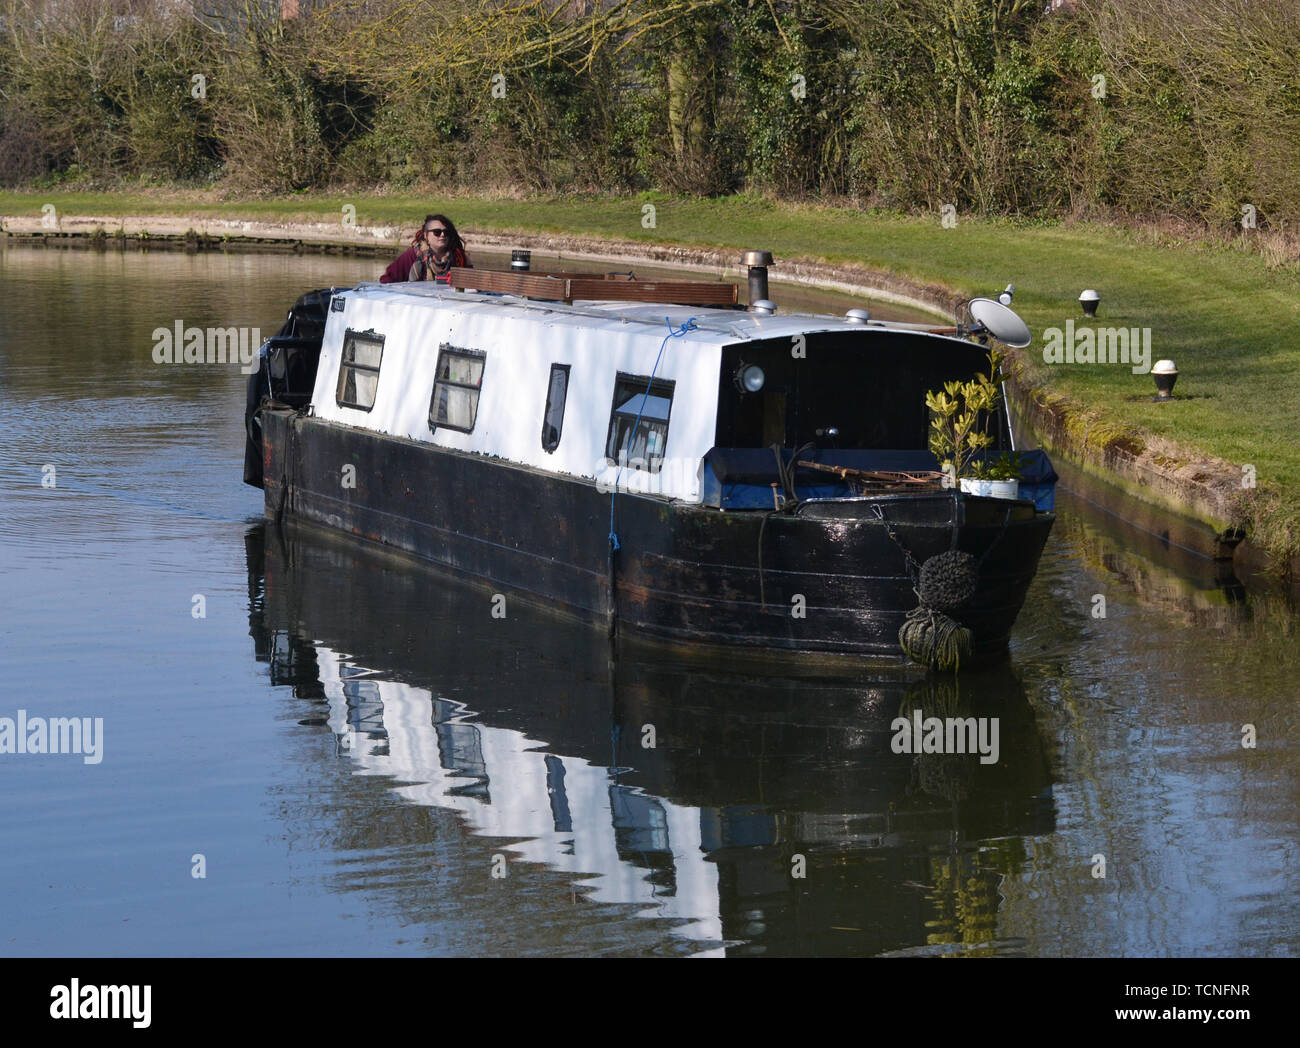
<point>566,287</point>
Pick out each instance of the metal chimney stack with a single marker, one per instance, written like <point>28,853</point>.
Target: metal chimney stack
<point>757,261</point>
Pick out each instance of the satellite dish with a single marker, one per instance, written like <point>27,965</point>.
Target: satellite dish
<point>1000,322</point>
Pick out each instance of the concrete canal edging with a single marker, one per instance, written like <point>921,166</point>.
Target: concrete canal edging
<point>1189,499</point>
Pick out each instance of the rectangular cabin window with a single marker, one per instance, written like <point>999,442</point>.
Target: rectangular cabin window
<point>359,369</point>
<point>455,388</point>
<point>556,393</point>
<point>644,448</point>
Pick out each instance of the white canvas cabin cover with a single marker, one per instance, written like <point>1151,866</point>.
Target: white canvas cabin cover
<point>516,342</point>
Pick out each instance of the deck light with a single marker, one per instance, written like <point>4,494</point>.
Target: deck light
<point>750,378</point>
<point>1090,300</point>
<point>520,260</point>
<point>857,316</point>
<point>1005,297</point>
<point>1166,374</point>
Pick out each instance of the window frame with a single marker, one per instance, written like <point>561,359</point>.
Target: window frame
<point>546,414</point>
<point>447,349</point>
<point>659,387</point>
<point>350,339</point>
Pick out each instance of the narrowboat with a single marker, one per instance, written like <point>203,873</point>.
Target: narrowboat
<point>654,458</point>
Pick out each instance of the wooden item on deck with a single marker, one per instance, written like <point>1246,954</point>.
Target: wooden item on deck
<point>567,288</point>
<point>882,479</point>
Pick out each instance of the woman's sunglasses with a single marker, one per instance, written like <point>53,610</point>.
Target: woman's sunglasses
<point>440,232</point>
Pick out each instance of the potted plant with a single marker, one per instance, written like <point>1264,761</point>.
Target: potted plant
<point>959,420</point>
<point>997,478</point>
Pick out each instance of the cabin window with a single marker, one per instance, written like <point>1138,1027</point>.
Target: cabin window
<point>556,393</point>
<point>643,449</point>
<point>455,388</point>
<point>359,369</point>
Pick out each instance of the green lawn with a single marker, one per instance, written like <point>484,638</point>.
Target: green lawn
<point>1228,321</point>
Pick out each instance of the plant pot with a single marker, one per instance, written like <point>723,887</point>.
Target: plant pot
<point>991,489</point>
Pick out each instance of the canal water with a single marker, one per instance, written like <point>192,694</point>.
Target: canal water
<point>305,747</point>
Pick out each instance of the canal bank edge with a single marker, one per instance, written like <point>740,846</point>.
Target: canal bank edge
<point>1199,502</point>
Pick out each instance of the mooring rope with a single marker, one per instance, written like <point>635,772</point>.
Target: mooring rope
<point>762,594</point>
<point>678,332</point>
<point>908,560</point>
<point>286,471</point>
<point>785,473</point>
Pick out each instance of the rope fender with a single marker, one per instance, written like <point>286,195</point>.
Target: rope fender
<point>943,584</point>
<point>930,635</point>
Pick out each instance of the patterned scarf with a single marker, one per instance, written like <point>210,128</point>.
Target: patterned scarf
<point>426,267</point>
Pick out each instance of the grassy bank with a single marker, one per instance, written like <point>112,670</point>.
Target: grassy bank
<point>1222,313</point>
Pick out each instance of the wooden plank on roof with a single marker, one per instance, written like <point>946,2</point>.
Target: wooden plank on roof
<point>529,285</point>
<point>682,292</point>
<point>580,276</point>
<point>596,288</point>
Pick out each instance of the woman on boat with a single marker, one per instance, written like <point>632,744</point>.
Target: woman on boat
<point>436,248</point>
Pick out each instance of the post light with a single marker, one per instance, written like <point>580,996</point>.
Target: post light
<point>1090,300</point>
<point>1166,374</point>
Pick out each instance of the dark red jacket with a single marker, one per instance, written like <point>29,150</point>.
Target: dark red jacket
<point>400,269</point>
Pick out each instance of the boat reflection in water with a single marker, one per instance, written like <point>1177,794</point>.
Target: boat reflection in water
<point>755,813</point>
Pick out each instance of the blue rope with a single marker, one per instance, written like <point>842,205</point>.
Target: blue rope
<point>673,332</point>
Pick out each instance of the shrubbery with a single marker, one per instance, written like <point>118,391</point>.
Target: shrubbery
<point>990,105</point>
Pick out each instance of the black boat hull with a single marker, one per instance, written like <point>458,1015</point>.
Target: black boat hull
<point>833,577</point>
